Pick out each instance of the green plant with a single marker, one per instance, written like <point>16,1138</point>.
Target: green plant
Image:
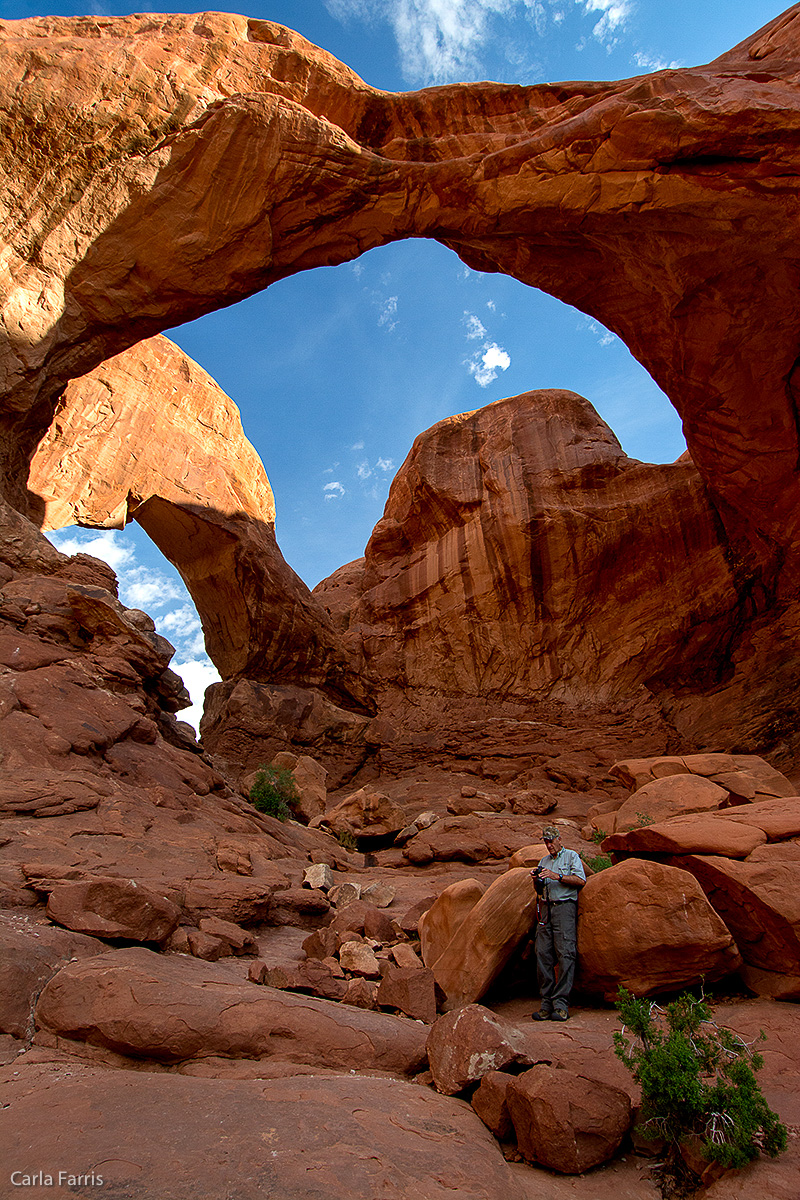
<point>599,836</point>
<point>274,792</point>
<point>645,819</point>
<point>347,840</point>
<point>600,862</point>
<point>697,1079</point>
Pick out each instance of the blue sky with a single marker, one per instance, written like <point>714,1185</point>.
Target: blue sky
<point>337,370</point>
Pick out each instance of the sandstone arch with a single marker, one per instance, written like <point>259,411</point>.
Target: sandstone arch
<point>254,155</point>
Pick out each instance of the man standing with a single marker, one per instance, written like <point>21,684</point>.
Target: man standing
<point>559,877</point>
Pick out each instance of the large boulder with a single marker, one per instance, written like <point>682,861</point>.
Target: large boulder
<point>759,901</point>
<point>666,797</point>
<point>693,833</point>
<point>365,813</point>
<point>566,1121</point>
<point>113,908</point>
<point>332,1136</point>
<point>486,938</point>
<point>439,923</point>
<point>170,1008</point>
<point>464,1046</point>
<point>649,928</point>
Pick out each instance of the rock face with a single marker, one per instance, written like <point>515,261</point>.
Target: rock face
<point>517,517</point>
<point>149,435</point>
<point>212,154</point>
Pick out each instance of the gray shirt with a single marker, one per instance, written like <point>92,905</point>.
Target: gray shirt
<point>568,862</point>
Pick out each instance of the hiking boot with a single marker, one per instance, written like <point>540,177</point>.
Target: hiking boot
<point>544,1014</point>
<point>560,1014</point>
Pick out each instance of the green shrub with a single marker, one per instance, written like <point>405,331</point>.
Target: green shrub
<point>599,836</point>
<point>697,1078</point>
<point>600,862</point>
<point>274,792</point>
<point>347,840</point>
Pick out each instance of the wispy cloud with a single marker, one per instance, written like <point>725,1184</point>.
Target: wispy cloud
<point>440,41</point>
<point>182,627</point>
<point>197,674</point>
<point>648,62</point>
<point>604,336</point>
<point>333,491</point>
<point>615,14</point>
<point>363,470</point>
<point>388,312</point>
<point>475,327</point>
<point>384,464</point>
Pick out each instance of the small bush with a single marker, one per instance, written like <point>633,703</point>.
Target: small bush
<point>347,840</point>
<point>600,862</point>
<point>697,1078</point>
<point>274,792</point>
<point>599,836</point>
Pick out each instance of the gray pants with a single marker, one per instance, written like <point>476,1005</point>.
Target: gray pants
<point>556,944</point>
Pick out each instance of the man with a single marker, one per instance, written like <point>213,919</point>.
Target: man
<point>559,877</point>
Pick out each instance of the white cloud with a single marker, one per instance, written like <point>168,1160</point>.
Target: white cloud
<point>604,336</point>
<point>384,464</point>
<point>490,304</point>
<point>107,545</point>
<point>475,327</point>
<point>388,312</point>
<point>182,627</point>
<point>333,491</point>
<point>614,18</point>
<point>142,587</point>
<point>357,446</point>
<point>363,470</point>
<point>486,363</point>
<point>648,63</point>
<point>442,41</point>
<point>197,674</point>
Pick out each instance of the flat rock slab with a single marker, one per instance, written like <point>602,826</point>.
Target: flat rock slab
<point>171,1008</point>
<point>309,1138</point>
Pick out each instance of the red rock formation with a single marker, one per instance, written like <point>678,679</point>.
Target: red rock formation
<point>149,435</point>
<point>209,155</point>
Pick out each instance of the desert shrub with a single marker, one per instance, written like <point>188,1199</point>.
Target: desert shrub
<point>600,862</point>
<point>599,836</point>
<point>697,1078</point>
<point>347,840</point>
<point>274,792</point>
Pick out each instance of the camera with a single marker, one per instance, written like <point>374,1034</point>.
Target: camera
<point>538,882</point>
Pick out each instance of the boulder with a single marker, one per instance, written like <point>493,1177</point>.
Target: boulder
<point>202,1137</point>
<point>113,908</point>
<point>242,901</point>
<point>759,901</point>
<point>318,876</point>
<point>440,921</point>
<point>778,818</point>
<point>464,1046</point>
<point>666,797</point>
<point>309,779</point>
<point>169,1008</point>
<point>489,1102</point>
<point>693,833</point>
<point>379,894</point>
<point>358,959</point>
<point>342,894</point>
<point>528,856</point>
<point>486,938</point>
<point>565,1121</point>
<point>411,989</point>
<point>649,928</point>
<point>237,939</point>
<point>454,839</point>
<point>30,953</point>
<point>366,813</point>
